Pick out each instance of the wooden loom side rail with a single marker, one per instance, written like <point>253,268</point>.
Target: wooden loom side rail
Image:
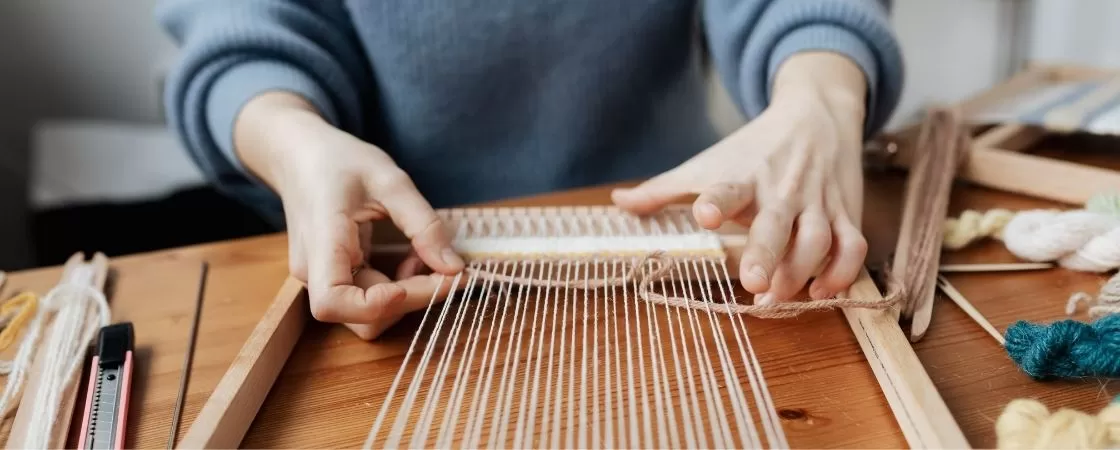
<point>235,401</point>
<point>919,409</point>
<point>1031,175</point>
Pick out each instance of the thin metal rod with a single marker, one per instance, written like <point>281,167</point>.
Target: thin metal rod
<point>184,377</point>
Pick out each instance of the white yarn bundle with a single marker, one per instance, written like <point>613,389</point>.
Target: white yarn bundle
<point>1079,240</point>
<point>79,311</point>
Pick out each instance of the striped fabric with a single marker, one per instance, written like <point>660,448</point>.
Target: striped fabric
<point>1085,106</point>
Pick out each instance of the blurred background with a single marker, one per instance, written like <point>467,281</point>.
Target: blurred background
<point>86,162</point>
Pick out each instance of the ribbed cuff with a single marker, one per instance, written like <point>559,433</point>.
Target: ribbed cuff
<point>825,37</point>
<point>241,83</point>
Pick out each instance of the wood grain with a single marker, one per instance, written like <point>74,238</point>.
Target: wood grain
<point>235,401</point>
<point>821,382</point>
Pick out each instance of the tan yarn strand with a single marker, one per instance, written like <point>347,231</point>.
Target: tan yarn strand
<point>645,277</point>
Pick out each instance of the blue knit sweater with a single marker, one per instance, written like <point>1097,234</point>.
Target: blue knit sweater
<point>478,100</point>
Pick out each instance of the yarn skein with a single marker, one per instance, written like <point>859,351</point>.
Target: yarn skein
<point>16,313</point>
<point>1066,348</point>
<point>1106,302</point>
<point>972,226</point>
<point>1078,240</point>
<point>1085,240</point>
<point>1105,203</point>
<point>1028,424</point>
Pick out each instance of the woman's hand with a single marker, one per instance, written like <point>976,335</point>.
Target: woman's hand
<point>333,186</point>
<point>793,175</point>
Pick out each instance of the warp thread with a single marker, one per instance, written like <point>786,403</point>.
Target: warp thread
<point>1086,240</point>
<point>14,315</point>
<point>78,311</point>
<point>1066,348</point>
<point>1028,424</point>
<point>653,267</point>
<point>1106,302</point>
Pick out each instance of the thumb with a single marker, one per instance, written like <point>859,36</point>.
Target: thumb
<point>415,217</point>
<point>657,192</point>
<point>333,252</point>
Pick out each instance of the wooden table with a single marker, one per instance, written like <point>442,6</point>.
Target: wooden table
<point>319,400</point>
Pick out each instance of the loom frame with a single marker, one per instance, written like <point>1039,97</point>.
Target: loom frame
<point>998,157</point>
<point>921,413</point>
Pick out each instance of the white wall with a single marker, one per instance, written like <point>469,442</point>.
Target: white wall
<point>1075,31</point>
<point>953,49</point>
<point>68,59</point>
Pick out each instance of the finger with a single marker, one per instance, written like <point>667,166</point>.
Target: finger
<point>848,255</point>
<point>384,312</point>
<point>411,266</point>
<point>424,290</point>
<point>811,244</point>
<point>655,193</point>
<point>416,219</point>
<point>420,293</point>
<point>720,202</point>
<point>333,252</point>
<point>766,246</point>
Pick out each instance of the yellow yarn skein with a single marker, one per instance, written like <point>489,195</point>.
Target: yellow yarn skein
<point>1027,424</point>
<point>972,226</point>
<point>16,312</point>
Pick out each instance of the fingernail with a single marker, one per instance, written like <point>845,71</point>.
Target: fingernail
<point>451,258</point>
<point>819,293</point>
<point>758,272</point>
<point>764,299</point>
<point>709,209</point>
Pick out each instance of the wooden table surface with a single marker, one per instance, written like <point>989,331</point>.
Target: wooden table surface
<point>813,364</point>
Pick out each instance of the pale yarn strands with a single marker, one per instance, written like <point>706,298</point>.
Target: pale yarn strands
<point>1082,240</point>
<point>972,226</point>
<point>1078,240</point>
<point>1106,302</point>
<point>1028,424</point>
<point>79,311</point>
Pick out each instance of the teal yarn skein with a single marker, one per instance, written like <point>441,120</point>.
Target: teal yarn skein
<point>1067,348</point>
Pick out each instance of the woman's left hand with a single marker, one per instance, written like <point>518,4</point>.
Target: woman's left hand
<point>793,175</point>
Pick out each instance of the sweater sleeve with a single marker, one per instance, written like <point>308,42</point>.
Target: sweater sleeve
<point>749,40</point>
<point>232,51</point>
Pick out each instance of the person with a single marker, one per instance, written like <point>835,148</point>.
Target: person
<point>327,115</point>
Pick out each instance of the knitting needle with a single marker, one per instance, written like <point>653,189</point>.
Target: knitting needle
<point>964,304</point>
<point>1006,267</point>
<point>178,412</point>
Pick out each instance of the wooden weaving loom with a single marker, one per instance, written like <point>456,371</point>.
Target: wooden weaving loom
<point>563,336</point>
<point>605,344</point>
<point>586,327</point>
<point>1041,101</point>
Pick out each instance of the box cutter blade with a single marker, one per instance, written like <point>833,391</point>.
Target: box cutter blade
<point>110,378</point>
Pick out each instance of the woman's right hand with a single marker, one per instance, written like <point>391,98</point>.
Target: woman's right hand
<point>333,186</point>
